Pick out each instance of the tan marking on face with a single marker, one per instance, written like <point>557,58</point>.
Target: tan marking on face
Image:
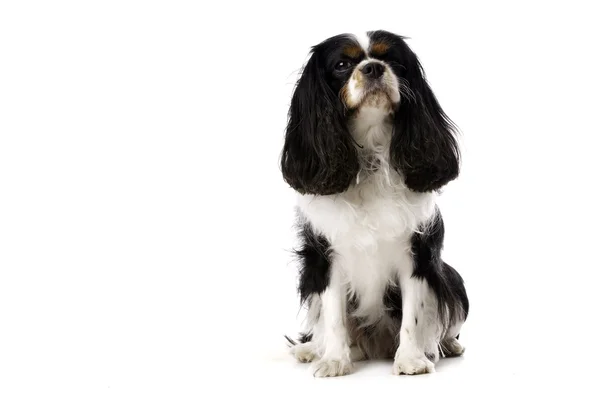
<point>379,48</point>
<point>346,95</point>
<point>353,51</point>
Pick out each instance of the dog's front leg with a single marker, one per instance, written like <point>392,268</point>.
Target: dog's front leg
<point>415,330</point>
<point>334,350</point>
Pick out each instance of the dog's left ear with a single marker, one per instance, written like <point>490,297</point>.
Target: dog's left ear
<point>318,154</point>
<point>423,148</point>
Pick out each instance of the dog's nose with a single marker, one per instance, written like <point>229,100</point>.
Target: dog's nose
<point>373,70</point>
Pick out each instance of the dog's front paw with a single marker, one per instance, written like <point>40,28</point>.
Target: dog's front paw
<point>412,364</point>
<point>331,368</point>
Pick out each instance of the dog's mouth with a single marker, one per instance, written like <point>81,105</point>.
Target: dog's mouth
<point>378,96</point>
<point>378,90</point>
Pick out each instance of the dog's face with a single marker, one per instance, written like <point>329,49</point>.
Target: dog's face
<point>360,70</point>
<point>367,74</point>
<point>345,74</point>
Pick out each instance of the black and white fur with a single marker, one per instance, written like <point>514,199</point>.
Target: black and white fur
<point>367,148</point>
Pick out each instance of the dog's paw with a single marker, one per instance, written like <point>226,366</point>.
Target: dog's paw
<point>451,347</point>
<point>412,364</point>
<point>304,353</point>
<point>331,368</point>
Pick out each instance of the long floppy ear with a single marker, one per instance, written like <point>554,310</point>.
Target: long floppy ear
<point>318,155</point>
<point>423,148</point>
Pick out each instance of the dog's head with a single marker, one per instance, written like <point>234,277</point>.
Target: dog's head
<point>345,75</point>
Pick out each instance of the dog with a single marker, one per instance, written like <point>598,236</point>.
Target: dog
<point>368,149</point>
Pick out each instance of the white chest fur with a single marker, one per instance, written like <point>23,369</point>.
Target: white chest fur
<point>369,228</point>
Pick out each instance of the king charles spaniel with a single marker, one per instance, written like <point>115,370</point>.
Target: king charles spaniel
<point>367,149</point>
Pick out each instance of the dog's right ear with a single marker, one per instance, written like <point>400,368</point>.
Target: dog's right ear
<point>318,155</point>
<point>424,147</point>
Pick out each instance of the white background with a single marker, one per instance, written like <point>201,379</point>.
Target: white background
<point>145,228</point>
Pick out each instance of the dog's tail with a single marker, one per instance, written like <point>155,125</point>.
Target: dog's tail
<point>304,337</point>
<point>290,341</point>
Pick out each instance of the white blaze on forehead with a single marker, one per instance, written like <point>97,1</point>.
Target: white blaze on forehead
<point>364,41</point>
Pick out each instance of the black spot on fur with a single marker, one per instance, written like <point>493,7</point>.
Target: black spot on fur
<point>445,282</point>
<point>314,256</point>
<point>456,282</point>
<point>430,356</point>
<point>416,321</point>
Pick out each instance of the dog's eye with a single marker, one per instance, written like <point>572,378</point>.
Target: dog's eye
<point>342,66</point>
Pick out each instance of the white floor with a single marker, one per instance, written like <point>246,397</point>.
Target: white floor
<point>475,374</point>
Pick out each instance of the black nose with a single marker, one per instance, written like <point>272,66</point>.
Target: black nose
<point>372,70</point>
